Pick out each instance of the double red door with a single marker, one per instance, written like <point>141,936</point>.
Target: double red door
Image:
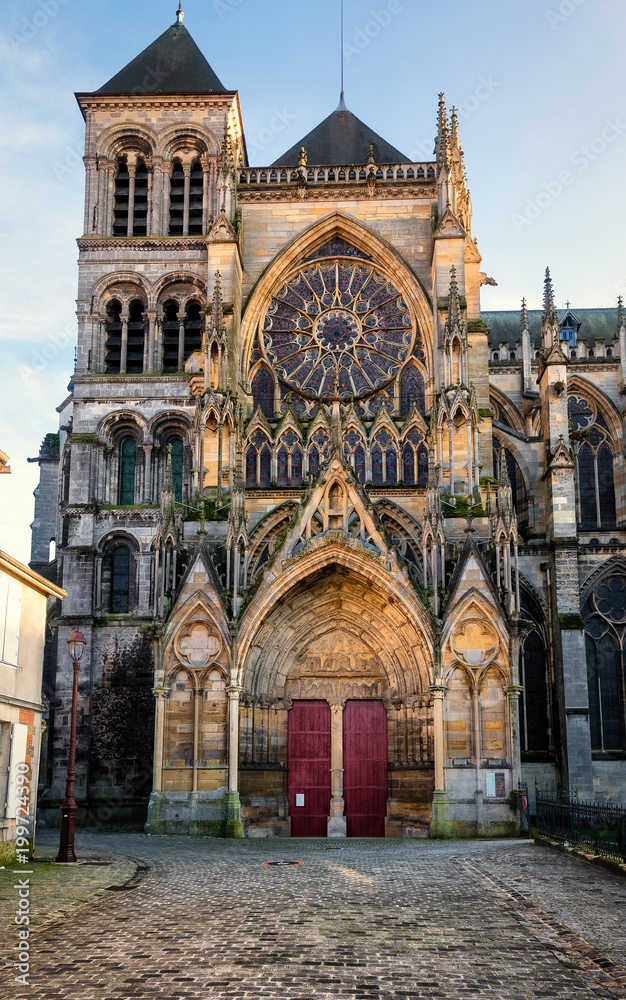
<point>364,761</point>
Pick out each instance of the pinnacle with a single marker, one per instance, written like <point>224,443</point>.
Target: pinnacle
<point>549,311</point>
<point>621,321</point>
<point>524,318</point>
<point>454,308</point>
<point>180,13</point>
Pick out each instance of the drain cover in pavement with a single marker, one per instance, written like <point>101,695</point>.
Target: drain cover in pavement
<point>279,864</point>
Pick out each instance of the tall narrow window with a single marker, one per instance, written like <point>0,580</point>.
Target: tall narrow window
<point>177,199</point>
<point>605,637</point>
<point>282,466</point>
<point>392,465</point>
<point>533,703</point>
<point>128,463</point>
<point>412,391</point>
<point>359,462</point>
<point>266,467</point>
<point>422,465</point>
<point>120,581</point>
<point>594,465</point>
<point>263,392</point>
<point>120,205</point>
<point>171,327</point>
<point>136,338</point>
<point>196,199</point>
<point>113,346</point>
<point>140,212</point>
<point>377,465</point>
<point>193,328</point>
<point>177,469</point>
<point>251,466</point>
<point>408,465</point>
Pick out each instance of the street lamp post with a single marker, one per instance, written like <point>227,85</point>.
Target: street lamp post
<point>76,647</point>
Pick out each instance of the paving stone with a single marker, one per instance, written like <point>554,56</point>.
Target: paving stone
<point>383,920</point>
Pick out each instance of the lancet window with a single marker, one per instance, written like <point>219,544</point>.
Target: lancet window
<point>415,459</point>
<point>113,346</point>
<point>354,448</point>
<point>605,634</point>
<point>258,461</point>
<point>594,465</point>
<point>186,199</point>
<point>182,333</point>
<point>127,464</point>
<point>263,392</point>
<point>412,391</point>
<point>384,459</point>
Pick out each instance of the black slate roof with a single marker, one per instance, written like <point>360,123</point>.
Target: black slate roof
<point>505,326</point>
<point>173,64</point>
<point>340,139</point>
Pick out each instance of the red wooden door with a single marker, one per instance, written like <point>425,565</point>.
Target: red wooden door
<point>308,748</point>
<point>365,768</point>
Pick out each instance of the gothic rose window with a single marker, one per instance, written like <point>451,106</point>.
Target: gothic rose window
<point>337,328</point>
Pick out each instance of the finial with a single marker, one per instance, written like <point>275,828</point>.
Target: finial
<point>454,135</point>
<point>443,132</point>
<point>217,307</point>
<point>180,13</point>
<point>524,322</point>
<point>549,312</point>
<point>371,155</point>
<point>621,323</point>
<point>454,306</point>
<point>302,159</point>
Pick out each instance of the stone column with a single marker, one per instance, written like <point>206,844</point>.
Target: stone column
<point>197,707</point>
<point>336,819</point>
<point>233,827</point>
<point>512,693</point>
<point>124,348</point>
<point>438,691</point>
<point>147,475</point>
<point>181,341</point>
<point>478,793</point>
<point>131,198</point>
<point>161,695</point>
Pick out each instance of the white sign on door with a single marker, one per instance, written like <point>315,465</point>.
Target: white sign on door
<point>300,799</point>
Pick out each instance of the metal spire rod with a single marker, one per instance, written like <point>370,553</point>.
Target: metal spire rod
<point>342,55</point>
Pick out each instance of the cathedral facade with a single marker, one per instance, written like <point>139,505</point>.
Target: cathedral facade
<point>346,552</point>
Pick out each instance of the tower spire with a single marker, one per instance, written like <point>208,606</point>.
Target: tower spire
<point>341,98</point>
<point>180,13</point>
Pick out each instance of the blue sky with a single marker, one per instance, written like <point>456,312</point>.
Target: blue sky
<point>540,84</point>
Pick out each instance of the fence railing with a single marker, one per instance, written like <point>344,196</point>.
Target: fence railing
<point>599,829</point>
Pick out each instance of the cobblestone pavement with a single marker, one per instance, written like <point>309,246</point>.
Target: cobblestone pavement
<point>360,919</point>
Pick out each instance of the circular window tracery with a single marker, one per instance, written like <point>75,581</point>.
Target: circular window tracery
<point>337,329</point>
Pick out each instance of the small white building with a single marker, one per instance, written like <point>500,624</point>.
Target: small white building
<point>24,597</point>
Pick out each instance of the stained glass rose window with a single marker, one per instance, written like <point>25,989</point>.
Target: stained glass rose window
<point>337,328</point>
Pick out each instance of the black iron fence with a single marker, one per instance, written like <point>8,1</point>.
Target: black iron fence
<point>599,829</point>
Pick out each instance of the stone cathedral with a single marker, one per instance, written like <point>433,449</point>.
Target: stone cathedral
<point>350,556</point>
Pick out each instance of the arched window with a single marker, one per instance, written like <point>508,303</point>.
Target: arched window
<point>140,208</point>
<point>196,198</point>
<point>359,462</point>
<point>136,339</point>
<point>314,462</point>
<point>177,468</point>
<point>594,465</point>
<point>128,462</point>
<point>533,703</point>
<point>412,392</point>
<point>408,465</point>
<point>251,466</point>
<point>120,581</point>
<point>392,465</point>
<point>282,466</point>
<point>377,465</point>
<point>193,329</point>
<point>422,465</point>
<point>263,392</point>
<point>177,199</point>
<point>265,476</point>
<point>296,466</point>
<point>120,204</point>
<point>605,632</point>
<point>171,327</point>
<point>113,346</point>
